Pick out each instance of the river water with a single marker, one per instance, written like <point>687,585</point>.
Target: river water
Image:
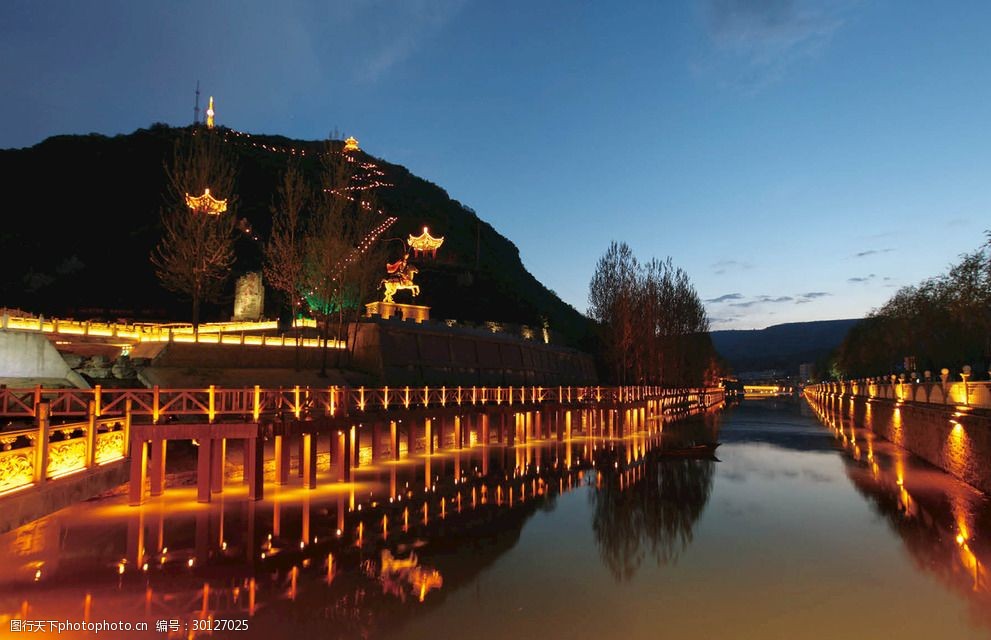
<point>800,526</point>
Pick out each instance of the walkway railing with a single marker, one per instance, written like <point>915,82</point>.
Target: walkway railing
<point>46,452</point>
<point>214,402</point>
<point>964,393</point>
<point>213,333</point>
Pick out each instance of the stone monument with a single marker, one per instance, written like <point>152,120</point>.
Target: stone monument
<point>249,297</point>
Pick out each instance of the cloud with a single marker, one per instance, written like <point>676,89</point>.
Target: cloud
<point>761,300</point>
<point>861,279</point>
<point>725,298</point>
<point>871,252</point>
<point>758,40</point>
<point>723,266</point>
<point>804,298</point>
<point>415,21</point>
<point>725,320</point>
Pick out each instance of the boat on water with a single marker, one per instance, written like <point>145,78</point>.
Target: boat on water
<point>694,451</point>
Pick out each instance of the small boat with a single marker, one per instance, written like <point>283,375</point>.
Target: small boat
<point>694,451</point>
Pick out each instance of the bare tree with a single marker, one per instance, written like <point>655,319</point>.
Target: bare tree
<point>653,324</point>
<point>285,251</point>
<point>339,247</point>
<point>196,251</point>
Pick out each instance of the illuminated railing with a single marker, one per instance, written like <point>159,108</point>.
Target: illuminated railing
<point>212,333</point>
<point>30,457</point>
<point>252,402</point>
<point>968,394</point>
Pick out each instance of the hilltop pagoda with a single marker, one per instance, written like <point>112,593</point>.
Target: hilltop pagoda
<point>425,243</point>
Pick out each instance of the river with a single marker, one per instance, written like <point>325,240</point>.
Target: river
<point>798,527</point>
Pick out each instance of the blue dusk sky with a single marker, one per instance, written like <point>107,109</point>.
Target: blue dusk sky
<point>800,160</point>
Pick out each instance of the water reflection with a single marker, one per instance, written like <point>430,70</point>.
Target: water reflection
<point>650,510</point>
<point>348,559</point>
<point>942,522</point>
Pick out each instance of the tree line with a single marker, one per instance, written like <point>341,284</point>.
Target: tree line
<point>653,327</point>
<point>944,321</point>
<point>314,258</point>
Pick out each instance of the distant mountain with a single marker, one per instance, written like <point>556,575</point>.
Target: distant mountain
<point>781,346</point>
<point>81,216</point>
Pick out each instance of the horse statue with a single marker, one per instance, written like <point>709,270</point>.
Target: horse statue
<point>400,278</point>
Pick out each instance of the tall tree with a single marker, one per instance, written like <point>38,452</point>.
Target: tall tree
<point>653,324</point>
<point>339,247</point>
<point>285,251</point>
<point>196,251</point>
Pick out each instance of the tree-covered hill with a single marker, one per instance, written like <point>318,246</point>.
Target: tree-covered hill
<point>81,217</point>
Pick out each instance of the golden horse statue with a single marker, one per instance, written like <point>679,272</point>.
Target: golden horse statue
<point>401,278</point>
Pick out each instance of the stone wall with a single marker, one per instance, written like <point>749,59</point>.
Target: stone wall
<point>953,438</point>
<point>30,358</point>
<point>405,353</point>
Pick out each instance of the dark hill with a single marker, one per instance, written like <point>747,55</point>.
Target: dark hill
<point>82,216</point>
<point>781,346</point>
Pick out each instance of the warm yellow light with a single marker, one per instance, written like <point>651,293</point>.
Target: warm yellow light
<point>425,242</point>
<point>206,203</point>
<point>209,114</point>
<point>351,144</point>
<point>960,539</point>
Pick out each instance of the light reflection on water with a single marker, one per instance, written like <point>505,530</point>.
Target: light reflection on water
<point>790,533</point>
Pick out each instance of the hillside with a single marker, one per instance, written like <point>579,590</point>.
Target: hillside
<point>781,346</point>
<point>82,216</point>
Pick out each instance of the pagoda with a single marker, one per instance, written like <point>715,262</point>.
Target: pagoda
<point>206,203</point>
<point>351,144</point>
<point>425,243</point>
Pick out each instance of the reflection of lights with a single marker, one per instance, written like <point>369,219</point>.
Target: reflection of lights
<point>960,539</point>
<point>190,562</point>
<point>37,575</point>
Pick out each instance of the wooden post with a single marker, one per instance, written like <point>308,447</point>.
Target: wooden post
<point>158,446</point>
<point>90,434</point>
<point>355,444</point>
<point>218,459</point>
<point>458,437</point>
<point>139,470</point>
<point>203,467</point>
<point>41,413</point>
<point>428,433</point>
<point>309,461</point>
<point>485,429</point>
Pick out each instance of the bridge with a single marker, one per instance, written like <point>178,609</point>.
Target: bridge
<point>75,430</point>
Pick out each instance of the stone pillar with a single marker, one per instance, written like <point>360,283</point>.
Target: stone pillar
<point>204,466</point>
<point>394,439</point>
<point>158,449</point>
<point>309,461</point>
<point>139,470</point>
<point>255,468</point>
<point>218,460</point>
<point>281,460</point>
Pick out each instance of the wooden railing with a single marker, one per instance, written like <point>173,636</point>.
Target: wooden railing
<point>213,402</point>
<point>970,394</point>
<point>46,452</point>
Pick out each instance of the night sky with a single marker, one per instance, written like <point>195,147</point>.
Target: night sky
<point>799,159</point>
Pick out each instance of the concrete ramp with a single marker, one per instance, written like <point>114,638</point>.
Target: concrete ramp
<point>28,359</point>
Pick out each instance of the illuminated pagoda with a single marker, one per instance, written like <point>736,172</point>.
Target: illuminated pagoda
<point>351,144</point>
<point>209,114</point>
<point>425,243</point>
<point>206,204</point>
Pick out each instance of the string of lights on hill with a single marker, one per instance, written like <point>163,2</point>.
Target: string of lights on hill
<point>364,179</point>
